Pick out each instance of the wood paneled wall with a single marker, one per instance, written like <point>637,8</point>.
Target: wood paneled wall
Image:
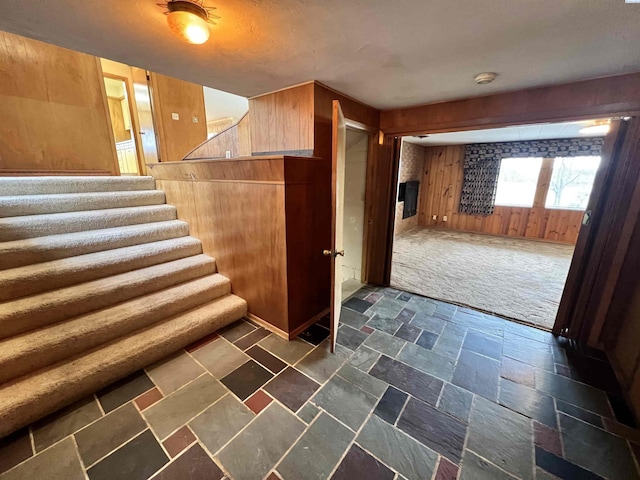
<point>257,216</point>
<point>236,140</point>
<point>441,188</point>
<point>177,137</point>
<point>53,110</point>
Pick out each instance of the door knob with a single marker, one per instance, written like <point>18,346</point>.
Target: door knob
<point>333,253</point>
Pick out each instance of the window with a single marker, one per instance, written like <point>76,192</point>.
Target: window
<point>571,182</point>
<point>517,181</point>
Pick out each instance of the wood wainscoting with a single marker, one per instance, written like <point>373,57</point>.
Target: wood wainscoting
<point>260,218</point>
<point>440,195</point>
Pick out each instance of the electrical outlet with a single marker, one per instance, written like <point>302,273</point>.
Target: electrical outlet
<point>228,154</point>
<point>444,218</point>
<point>175,116</point>
<point>435,217</point>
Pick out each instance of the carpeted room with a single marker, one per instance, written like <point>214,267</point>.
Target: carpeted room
<point>489,219</point>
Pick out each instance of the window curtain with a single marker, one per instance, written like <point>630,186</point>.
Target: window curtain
<point>482,166</point>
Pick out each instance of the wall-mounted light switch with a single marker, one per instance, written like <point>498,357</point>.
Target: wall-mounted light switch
<point>444,218</point>
<point>228,154</point>
<point>175,116</point>
<point>435,217</point>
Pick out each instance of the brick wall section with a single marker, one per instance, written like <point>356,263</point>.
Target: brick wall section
<point>411,168</point>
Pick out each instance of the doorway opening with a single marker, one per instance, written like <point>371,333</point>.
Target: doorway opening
<point>498,216</point>
<point>356,153</point>
<point>121,115</point>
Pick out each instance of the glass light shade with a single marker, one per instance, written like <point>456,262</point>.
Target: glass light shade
<point>189,27</point>
<point>597,129</point>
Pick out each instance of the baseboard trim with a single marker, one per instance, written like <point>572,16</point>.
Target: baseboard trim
<point>281,333</point>
<point>9,172</point>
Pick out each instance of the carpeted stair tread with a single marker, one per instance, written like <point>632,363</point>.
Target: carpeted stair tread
<point>23,281</point>
<point>20,253</point>
<point>19,205</point>
<point>29,226</point>
<point>50,185</point>
<point>30,397</point>
<point>28,313</point>
<point>33,350</point>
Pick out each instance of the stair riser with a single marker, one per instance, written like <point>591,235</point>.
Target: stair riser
<point>21,403</point>
<point>21,253</point>
<point>18,228</point>
<point>54,185</point>
<point>26,314</point>
<point>42,348</point>
<point>19,283</point>
<point>44,204</point>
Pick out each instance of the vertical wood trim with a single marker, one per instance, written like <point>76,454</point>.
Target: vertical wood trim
<point>105,102</point>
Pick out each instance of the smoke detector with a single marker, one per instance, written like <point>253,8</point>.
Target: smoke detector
<point>484,78</point>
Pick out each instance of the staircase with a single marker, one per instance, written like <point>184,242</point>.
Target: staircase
<point>98,279</point>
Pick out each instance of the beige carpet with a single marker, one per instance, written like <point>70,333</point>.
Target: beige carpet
<point>515,278</point>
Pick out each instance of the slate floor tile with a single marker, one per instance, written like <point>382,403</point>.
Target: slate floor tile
<point>529,402</point>
<point>60,462</point>
<point>384,324</point>
<point>136,460</point>
<point>236,330</point>
<point>478,374</point>
<point>631,434</point>
<point>357,304</point>
<point>345,401</point>
<point>405,315</point>
<point>356,462</point>
<point>483,344</point>
<point>373,297</point>
<point>64,422</point>
<point>364,358</point>
<point>363,381</point>
<point>596,450</point>
<point>450,340</point>
<point>174,372</point>
<point>428,323</point>
<point>266,359</point>
<point>292,388</point>
<point>408,333</point>
<point>313,456</point>
<point>476,468</point>
<point>419,384</point>
<point>428,361</point>
<point>384,343</point>
<point>148,398</point>
<point>620,408</point>
<point>534,353</point>
<point>501,436</point>
<point>350,337</point>
<point>518,372</point>
<point>427,340</point>
<point>246,379</point>
<point>479,321</point>
<point>446,470</point>
<point>561,468</point>
<point>367,330</point>
<point>438,431</point>
<point>202,342</point>
<point>220,358</point>
<point>122,391</point>
<point>258,401</point>
<point>14,449</point>
<point>320,364</point>
<point>578,412</point>
<point>315,334</point>
<point>572,392</point>
<point>108,433</point>
<point>390,405</point>
<point>308,412</point>
<point>387,307</point>
<point>252,338</point>
<point>547,438</point>
<point>173,411</point>
<point>289,351</point>
<point>419,305</point>
<point>253,453</point>
<point>396,449</point>
<point>221,422</point>
<point>352,318</point>
<point>194,464</point>
<point>178,441</point>
<point>455,401</point>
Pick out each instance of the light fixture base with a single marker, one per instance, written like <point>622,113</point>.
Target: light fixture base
<point>485,78</point>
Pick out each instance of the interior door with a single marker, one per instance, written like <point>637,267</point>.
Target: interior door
<point>339,140</point>
<point>142,97</point>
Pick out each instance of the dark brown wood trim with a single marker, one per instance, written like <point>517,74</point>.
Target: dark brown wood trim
<point>8,172</point>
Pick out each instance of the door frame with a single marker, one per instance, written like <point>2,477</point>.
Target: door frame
<point>134,120</point>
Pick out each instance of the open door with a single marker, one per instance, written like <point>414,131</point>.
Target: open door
<point>339,140</point>
<point>147,132</point>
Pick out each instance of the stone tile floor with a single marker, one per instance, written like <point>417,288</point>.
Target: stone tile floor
<point>417,389</point>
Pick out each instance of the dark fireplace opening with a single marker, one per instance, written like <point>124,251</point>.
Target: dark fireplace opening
<point>410,199</point>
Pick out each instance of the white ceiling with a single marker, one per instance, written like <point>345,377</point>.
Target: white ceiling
<point>539,131</point>
<point>385,53</point>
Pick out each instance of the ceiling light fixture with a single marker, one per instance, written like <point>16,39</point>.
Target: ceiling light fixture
<point>189,20</point>
<point>485,77</point>
<point>599,127</point>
